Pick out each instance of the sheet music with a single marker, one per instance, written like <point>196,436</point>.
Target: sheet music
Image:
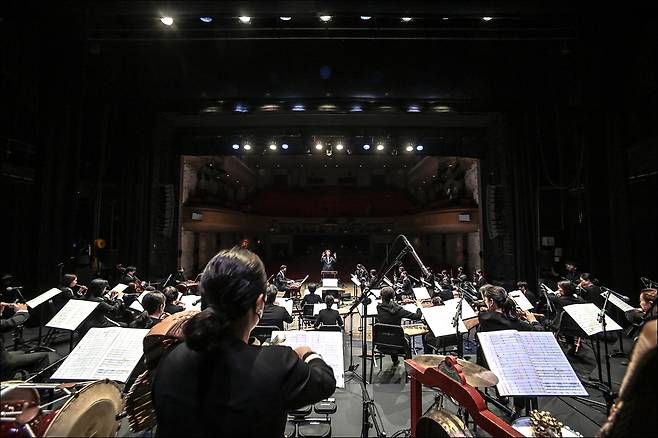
<point>136,305</point>
<point>119,288</point>
<point>34,302</point>
<point>421,293</point>
<point>586,316</point>
<point>439,320</point>
<point>376,292</point>
<point>529,364</point>
<point>355,280</point>
<point>467,310</point>
<point>411,307</point>
<point>72,314</point>
<point>328,344</point>
<point>286,303</point>
<point>521,300</point>
<point>371,310</point>
<point>618,302</point>
<point>110,353</point>
<point>189,301</point>
<point>329,282</point>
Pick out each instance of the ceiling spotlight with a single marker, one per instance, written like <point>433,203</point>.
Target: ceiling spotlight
<point>244,19</point>
<point>365,17</point>
<point>167,20</point>
<point>380,147</point>
<point>206,19</point>
<point>487,18</point>
<point>318,146</point>
<point>236,146</point>
<point>284,146</point>
<point>339,147</point>
<point>325,18</point>
<point>409,148</point>
<point>299,107</point>
<point>419,147</point>
<point>366,147</point>
<point>356,109</point>
<point>413,109</point>
<point>247,147</point>
<point>285,18</point>
<point>406,19</point>
<point>272,147</point>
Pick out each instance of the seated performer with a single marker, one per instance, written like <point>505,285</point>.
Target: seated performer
<point>589,289</point>
<point>361,273</point>
<point>172,305</point>
<point>154,304</point>
<point>372,277</point>
<point>311,297</point>
<point>282,282</point>
<point>478,279</point>
<point>70,288</point>
<point>647,311</point>
<point>403,285</point>
<point>523,287</point>
<point>107,307</point>
<point>273,315</point>
<point>566,295</point>
<point>328,261</point>
<point>225,386</point>
<point>390,312</point>
<point>129,276</point>
<point>12,361</point>
<point>328,316</point>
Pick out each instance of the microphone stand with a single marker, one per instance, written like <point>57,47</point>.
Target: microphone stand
<point>605,389</point>
<point>621,352</point>
<point>455,323</point>
<point>550,313</point>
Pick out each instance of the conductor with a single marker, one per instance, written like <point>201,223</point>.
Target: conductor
<point>328,260</point>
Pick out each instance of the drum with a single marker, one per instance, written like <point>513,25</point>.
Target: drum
<point>441,424</point>
<point>91,411</point>
<point>524,425</point>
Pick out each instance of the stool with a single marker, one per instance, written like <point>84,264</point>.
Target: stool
<point>300,413</point>
<point>314,429</point>
<point>325,407</point>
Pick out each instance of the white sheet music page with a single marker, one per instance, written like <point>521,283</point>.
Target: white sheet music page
<point>421,293</point>
<point>286,303</point>
<point>355,280</point>
<point>136,305</point>
<point>521,300</point>
<point>328,344</point>
<point>618,302</point>
<point>329,282</point>
<point>104,353</point>
<point>72,314</point>
<point>586,316</point>
<point>190,300</point>
<point>467,310</point>
<point>439,319</point>
<point>34,302</point>
<point>529,364</point>
<point>120,287</point>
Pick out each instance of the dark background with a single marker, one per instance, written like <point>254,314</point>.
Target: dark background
<point>99,101</point>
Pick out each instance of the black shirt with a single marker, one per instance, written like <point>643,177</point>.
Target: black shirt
<point>328,317</point>
<point>592,294</point>
<point>494,321</point>
<point>274,315</point>
<point>311,299</point>
<point>328,263</point>
<point>173,308</point>
<point>392,314</point>
<point>237,390</point>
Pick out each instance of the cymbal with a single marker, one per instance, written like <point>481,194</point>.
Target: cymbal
<point>476,376</point>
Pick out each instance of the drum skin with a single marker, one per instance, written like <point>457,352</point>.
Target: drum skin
<point>441,424</point>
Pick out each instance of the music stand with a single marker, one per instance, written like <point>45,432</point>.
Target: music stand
<point>328,274</point>
<point>71,316</point>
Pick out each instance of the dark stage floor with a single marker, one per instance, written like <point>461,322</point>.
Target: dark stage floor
<point>391,394</point>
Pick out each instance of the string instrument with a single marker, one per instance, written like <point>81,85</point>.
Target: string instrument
<point>188,287</point>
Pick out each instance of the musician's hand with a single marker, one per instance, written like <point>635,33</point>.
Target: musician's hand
<point>19,307</point>
<point>530,317</point>
<point>302,350</point>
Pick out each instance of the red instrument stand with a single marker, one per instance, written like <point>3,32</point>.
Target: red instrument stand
<point>449,378</point>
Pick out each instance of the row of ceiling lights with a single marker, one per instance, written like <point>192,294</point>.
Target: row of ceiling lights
<point>356,108</point>
<point>320,146</point>
<point>168,20</point>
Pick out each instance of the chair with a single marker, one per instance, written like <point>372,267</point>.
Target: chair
<point>263,332</point>
<point>308,318</point>
<point>330,328</point>
<point>388,339</point>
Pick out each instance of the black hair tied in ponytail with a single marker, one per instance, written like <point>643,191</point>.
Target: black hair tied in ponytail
<point>231,283</point>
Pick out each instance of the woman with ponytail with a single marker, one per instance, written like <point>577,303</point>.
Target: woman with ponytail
<point>216,383</point>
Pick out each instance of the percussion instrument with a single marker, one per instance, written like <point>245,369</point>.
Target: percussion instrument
<point>440,423</point>
<point>476,376</point>
<point>543,424</point>
<point>162,337</point>
<point>91,411</point>
<point>414,329</point>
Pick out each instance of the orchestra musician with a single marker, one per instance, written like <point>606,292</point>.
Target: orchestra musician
<point>172,305</point>
<point>273,314</point>
<point>282,282</point>
<point>372,277</point>
<point>646,312</point>
<point>108,305</point>
<point>589,289</point>
<point>361,273</point>
<point>224,386</point>
<point>311,297</point>
<point>478,279</point>
<point>129,276</point>
<point>571,271</point>
<point>523,287</point>
<point>390,312</point>
<point>328,316</point>
<point>328,260</point>
<point>154,305</point>
<point>71,289</point>
<point>566,295</point>
<point>403,285</point>
<point>12,361</point>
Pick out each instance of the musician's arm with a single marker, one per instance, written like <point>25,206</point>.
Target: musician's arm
<point>19,318</point>
<point>287,318</point>
<point>309,380</point>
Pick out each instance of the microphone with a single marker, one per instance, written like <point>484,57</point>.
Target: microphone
<point>415,256</point>
<point>617,294</point>
<point>9,289</point>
